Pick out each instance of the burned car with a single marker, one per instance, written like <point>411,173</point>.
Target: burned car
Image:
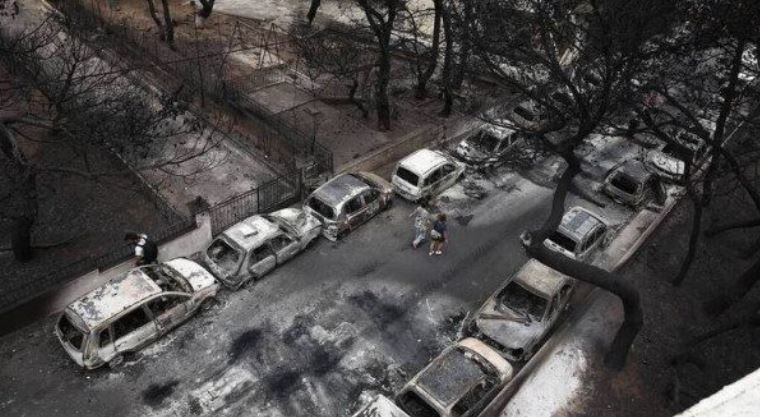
<point>425,173</point>
<point>631,184</point>
<point>488,146</point>
<point>580,235</point>
<point>132,311</point>
<point>520,314</point>
<point>253,247</point>
<point>461,381</point>
<point>347,201</point>
<point>669,160</point>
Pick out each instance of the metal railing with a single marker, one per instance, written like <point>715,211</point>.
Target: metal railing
<point>271,195</point>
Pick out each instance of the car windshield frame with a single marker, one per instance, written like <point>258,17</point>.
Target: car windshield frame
<point>406,175</point>
<point>323,209</point>
<point>563,241</point>
<point>71,320</point>
<point>232,246</point>
<point>531,305</point>
<point>486,142</point>
<point>621,181</point>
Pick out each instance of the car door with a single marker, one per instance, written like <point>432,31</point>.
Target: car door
<point>431,182</point>
<point>134,329</point>
<point>355,211</point>
<point>284,247</point>
<point>106,349</point>
<point>169,310</point>
<point>371,202</point>
<point>448,176</point>
<point>262,261</point>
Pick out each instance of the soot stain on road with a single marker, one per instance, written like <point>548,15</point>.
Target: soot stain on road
<point>155,394</point>
<point>382,312</point>
<point>247,341</point>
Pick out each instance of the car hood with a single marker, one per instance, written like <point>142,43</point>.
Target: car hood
<point>198,277</point>
<point>666,163</point>
<point>512,334</point>
<point>297,220</point>
<point>469,153</point>
<point>381,406</point>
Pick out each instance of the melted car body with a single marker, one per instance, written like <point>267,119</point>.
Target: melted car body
<point>347,201</point>
<point>522,312</point>
<point>579,236</point>
<point>425,173</point>
<point>132,311</point>
<point>488,145</point>
<point>255,246</point>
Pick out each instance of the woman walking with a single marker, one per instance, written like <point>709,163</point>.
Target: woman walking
<point>421,223</point>
<point>438,235</point>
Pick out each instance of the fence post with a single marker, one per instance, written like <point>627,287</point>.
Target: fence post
<point>258,198</point>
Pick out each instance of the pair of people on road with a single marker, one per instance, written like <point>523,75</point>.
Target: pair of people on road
<point>426,224</point>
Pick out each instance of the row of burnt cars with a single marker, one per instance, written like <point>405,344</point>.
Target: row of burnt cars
<point>518,318</point>
<point>135,309</point>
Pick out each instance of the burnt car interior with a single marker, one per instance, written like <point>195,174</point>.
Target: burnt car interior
<point>224,255</point>
<point>624,183</point>
<point>415,406</point>
<point>516,298</point>
<point>320,207</point>
<point>130,322</point>
<point>73,336</point>
<point>407,176</point>
<point>485,142</point>
<point>563,241</point>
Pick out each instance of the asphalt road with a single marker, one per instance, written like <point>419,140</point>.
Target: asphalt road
<point>338,320</point>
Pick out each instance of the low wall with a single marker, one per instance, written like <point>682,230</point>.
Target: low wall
<point>392,152</point>
<point>56,300</point>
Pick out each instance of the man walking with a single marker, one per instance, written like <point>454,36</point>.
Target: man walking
<point>146,250</point>
<point>421,223</point>
<point>439,235</point>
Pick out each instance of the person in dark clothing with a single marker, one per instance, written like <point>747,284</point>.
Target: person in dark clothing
<point>439,234</point>
<point>146,250</point>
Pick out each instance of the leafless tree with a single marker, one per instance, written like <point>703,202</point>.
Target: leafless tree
<point>60,86</point>
<point>574,62</point>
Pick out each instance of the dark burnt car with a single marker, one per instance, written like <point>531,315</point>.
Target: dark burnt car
<point>347,201</point>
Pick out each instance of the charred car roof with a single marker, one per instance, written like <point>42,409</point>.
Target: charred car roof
<point>340,189</point>
<point>114,297</point>
<point>423,161</point>
<point>579,222</point>
<point>252,232</point>
<point>635,170</point>
<point>540,279</point>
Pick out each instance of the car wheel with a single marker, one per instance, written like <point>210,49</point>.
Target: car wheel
<point>209,303</point>
<point>116,361</point>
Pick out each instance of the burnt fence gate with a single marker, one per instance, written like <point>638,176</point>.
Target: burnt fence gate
<point>278,193</point>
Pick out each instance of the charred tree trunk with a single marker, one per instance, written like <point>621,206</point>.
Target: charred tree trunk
<point>382,26</point>
<point>533,242</point>
<point>169,24</point>
<point>313,8</point>
<point>464,54</point>
<point>207,6</point>
<point>21,239</point>
<point>154,16</point>
<point>423,76</point>
<point>696,228</point>
<point>736,292</point>
<point>448,98</point>
<point>352,98</point>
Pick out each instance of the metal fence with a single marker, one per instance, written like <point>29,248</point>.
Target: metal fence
<point>202,68</point>
<point>277,193</point>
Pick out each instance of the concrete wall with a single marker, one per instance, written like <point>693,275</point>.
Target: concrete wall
<point>391,153</point>
<point>183,245</point>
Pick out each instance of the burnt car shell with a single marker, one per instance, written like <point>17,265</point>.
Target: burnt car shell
<point>459,371</point>
<point>628,183</point>
<point>327,202</point>
<point>506,321</point>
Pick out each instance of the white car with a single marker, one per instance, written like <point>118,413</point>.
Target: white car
<point>668,161</point>
<point>488,145</point>
<point>425,173</point>
<point>132,311</point>
<point>461,381</point>
<point>253,247</point>
<point>580,235</point>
